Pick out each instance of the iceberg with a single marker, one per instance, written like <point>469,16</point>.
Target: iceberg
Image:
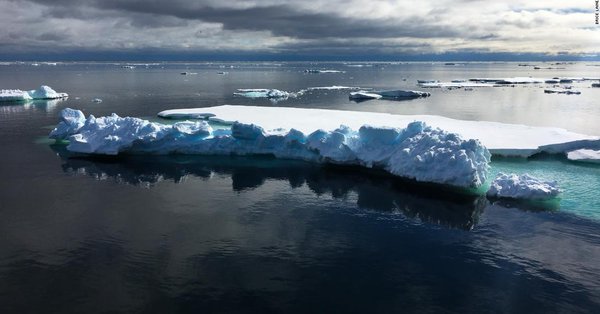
<point>418,152</point>
<point>501,139</point>
<point>44,92</point>
<point>522,187</point>
<point>584,155</point>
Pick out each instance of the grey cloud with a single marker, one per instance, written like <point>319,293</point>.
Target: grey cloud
<point>280,20</point>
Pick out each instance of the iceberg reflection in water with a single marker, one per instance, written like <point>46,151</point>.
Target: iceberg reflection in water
<point>373,190</point>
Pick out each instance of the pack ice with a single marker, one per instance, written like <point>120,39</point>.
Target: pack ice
<point>417,151</point>
<point>44,92</point>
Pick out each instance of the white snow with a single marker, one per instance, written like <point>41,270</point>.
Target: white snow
<point>44,92</point>
<point>585,155</point>
<point>416,152</point>
<point>522,187</point>
<point>500,138</point>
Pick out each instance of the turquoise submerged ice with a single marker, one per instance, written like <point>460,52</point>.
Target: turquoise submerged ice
<point>417,152</point>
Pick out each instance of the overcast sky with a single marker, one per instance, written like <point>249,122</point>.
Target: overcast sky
<point>368,29</point>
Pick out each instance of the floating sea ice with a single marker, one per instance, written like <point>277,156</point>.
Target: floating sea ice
<point>522,187</point>
<point>44,92</point>
<point>394,94</point>
<point>364,95</point>
<point>584,155</point>
<point>263,93</point>
<point>566,91</point>
<point>97,100</point>
<point>315,71</point>
<point>417,152</point>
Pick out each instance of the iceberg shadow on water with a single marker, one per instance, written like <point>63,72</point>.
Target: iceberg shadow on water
<point>375,191</point>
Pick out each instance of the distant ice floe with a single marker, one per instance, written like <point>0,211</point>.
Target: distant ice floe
<point>456,84</point>
<point>417,151</point>
<point>276,94</point>
<point>335,87</point>
<point>389,94</point>
<point>317,71</point>
<point>264,93</point>
<point>501,139</point>
<point>44,92</point>
<point>364,95</point>
<point>584,155</point>
<point>522,187</point>
<point>566,91</point>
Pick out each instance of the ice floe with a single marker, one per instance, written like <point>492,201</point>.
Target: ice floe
<point>44,92</point>
<point>417,151</point>
<point>316,71</point>
<point>522,187</point>
<point>584,155</point>
<point>389,94</point>
<point>500,138</point>
<point>364,95</point>
<point>263,93</point>
<point>566,91</point>
<point>456,84</point>
<point>509,81</point>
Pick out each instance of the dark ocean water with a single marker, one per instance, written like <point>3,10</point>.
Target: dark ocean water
<point>259,235</point>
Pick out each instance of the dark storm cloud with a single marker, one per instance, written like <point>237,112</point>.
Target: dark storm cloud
<point>280,20</point>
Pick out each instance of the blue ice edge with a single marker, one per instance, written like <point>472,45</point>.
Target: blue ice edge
<point>417,152</point>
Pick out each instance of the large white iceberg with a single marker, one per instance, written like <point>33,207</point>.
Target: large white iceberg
<point>500,138</point>
<point>44,92</point>
<point>522,187</point>
<point>416,152</point>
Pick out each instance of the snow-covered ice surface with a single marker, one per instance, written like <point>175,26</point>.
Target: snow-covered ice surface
<point>584,155</point>
<point>522,187</point>
<point>500,138</point>
<point>416,151</point>
<point>44,92</point>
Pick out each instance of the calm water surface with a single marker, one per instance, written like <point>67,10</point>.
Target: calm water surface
<point>199,234</point>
